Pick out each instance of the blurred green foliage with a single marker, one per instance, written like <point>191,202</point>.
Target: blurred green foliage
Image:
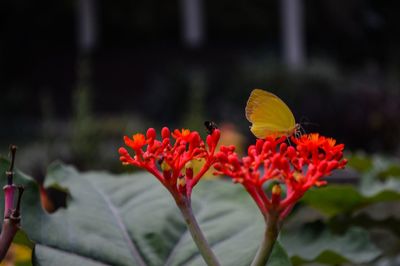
<point>226,213</point>
<point>373,204</point>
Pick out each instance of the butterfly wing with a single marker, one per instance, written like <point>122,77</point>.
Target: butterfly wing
<point>269,115</point>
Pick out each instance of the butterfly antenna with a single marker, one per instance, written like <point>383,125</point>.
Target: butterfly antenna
<point>306,122</point>
<point>310,124</point>
<point>302,130</point>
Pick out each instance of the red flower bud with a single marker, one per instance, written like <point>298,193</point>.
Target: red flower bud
<point>339,155</point>
<point>332,165</point>
<point>218,166</point>
<point>322,167</point>
<point>283,147</point>
<point>216,135</point>
<point>195,138</point>
<point>285,165</point>
<point>259,145</point>
<point>151,133</point>
<point>343,163</point>
<point>267,146</point>
<point>209,141</point>
<point>300,148</point>
<point>232,148</point>
<point>276,160</point>
<point>180,149</point>
<point>122,151</point>
<point>224,149</point>
<point>221,157</point>
<point>165,133</point>
<point>247,161</point>
<point>251,150</point>
<point>321,183</point>
<point>291,152</point>
<point>233,159</point>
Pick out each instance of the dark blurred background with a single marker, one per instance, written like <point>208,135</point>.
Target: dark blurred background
<point>75,76</point>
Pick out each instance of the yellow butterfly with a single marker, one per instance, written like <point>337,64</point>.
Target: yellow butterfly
<point>269,115</point>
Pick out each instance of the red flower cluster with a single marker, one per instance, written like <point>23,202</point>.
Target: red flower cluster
<point>171,163</point>
<point>299,167</point>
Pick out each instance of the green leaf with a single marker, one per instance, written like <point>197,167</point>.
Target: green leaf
<point>335,199</point>
<point>315,243</point>
<point>360,162</point>
<point>369,222</point>
<point>279,256</point>
<point>392,171</point>
<point>22,239</point>
<point>381,169</point>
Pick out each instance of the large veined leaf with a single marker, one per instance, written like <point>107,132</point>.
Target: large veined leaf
<point>335,199</point>
<point>132,220</point>
<point>316,243</point>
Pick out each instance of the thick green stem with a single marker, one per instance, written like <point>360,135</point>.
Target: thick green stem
<point>197,235</point>
<point>270,236</point>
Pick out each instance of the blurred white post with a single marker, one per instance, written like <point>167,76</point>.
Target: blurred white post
<point>86,25</point>
<point>293,33</point>
<point>192,22</point>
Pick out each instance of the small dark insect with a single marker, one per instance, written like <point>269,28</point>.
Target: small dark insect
<point>210,126</point>
<point>161,160</point>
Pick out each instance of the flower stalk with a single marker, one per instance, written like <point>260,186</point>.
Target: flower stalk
<point>269,239</point>
<point>12,215</point>
<point>196,233</point>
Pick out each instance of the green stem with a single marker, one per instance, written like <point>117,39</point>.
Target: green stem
<point>270,236</point>
<point>197,235</point>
